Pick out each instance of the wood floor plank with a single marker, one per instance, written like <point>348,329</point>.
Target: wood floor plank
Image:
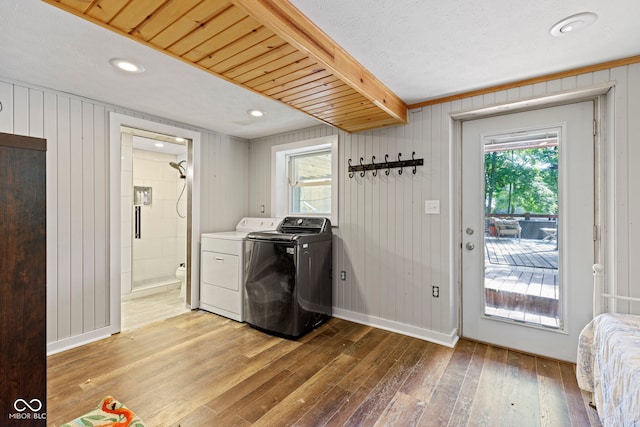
<point>303,398</point>
<point>388,385</point>
<point>439,409</point>
<point>191,379</point>
<point>428,372</point>
<point>519,394</point>
<point>491,382</point>
<point>275,395</point>
<point>575,403</point>
<point>394,352</point>
<point>325,408</point>
<point>204,416</point>
<point>402,410</point>
<point>481,372</point>
<point>243,389</point>
<point>200,369</point>
<point>244,394</point>
<point>343,415</point>
<point>366,343</point>
<point>553,403</point>
<point>354,379</point>
<point>587,398</point>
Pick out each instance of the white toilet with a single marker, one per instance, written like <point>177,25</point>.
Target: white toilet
<point>181,274</point>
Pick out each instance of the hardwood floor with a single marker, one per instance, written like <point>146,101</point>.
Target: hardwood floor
<point>200,369</point>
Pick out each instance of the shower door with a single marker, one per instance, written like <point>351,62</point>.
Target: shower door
<point>158,224</point>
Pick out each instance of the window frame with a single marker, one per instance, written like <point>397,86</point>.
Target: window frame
<point>292,170</point>
<point>280,189</point>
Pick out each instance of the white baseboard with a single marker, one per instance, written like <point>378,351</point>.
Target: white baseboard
<point>448,340</point>
<point>78,340</point>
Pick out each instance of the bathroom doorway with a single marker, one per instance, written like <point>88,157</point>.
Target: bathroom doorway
<point>121,209</point>
<point>154,226</point>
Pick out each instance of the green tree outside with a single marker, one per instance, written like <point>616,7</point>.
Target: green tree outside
<point>522,181</point>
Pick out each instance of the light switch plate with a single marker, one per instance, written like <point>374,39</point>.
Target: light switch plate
<point>432,207</point>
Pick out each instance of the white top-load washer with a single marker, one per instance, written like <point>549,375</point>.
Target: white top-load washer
<point>222,267</point>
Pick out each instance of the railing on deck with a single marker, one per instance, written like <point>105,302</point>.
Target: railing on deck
<point>550,217</point>
<point>531,224</point>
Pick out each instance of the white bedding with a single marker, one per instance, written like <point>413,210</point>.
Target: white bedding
<point>609,366</point>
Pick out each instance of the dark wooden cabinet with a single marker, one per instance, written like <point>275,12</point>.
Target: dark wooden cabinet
<point>23,297</point>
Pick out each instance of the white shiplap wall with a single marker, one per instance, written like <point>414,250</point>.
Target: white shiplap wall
<point>393,253</point>
<point>622,269</point>
<point>77,133</point>
<point>224,177</point>
<point>390,250</point>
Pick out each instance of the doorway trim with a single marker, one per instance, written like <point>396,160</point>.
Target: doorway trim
<point>116,121</point>
<point>601,94</point>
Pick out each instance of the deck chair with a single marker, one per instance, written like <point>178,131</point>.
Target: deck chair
<point>508,227</point>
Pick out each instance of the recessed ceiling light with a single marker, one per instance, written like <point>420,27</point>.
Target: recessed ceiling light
<point>256,113</point>
<point>159,144</point>
<point>126,65</point>
<point>573,23</point>
<point>178,139</point>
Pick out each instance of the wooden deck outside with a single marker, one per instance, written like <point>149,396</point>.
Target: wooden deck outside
<point>522,252</point>
<point>521,280</point>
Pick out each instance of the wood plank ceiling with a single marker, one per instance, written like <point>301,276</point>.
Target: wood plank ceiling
<point>266,46</point>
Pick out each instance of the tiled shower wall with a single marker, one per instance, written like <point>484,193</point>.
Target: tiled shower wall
<point>154,258</point>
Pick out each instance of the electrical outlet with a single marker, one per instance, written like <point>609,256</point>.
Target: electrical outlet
<point>435,291</point>
<point>343,275</point>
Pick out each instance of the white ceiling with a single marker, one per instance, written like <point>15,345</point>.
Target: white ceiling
<point>421,49</point>
<point>424,49</point>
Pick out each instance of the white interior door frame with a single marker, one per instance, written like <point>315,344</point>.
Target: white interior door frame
<point>116,121</point>
<point>602,96</point>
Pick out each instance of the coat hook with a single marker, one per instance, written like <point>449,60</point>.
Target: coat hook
<point>386,161</point>
<point>350,173</point>
<point>362,173</point>
<point>373,163</point>
<point>414,165</point>
<point>399,170</point>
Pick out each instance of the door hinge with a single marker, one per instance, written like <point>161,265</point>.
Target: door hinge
<point>595,233</point>
<point>595,127</point>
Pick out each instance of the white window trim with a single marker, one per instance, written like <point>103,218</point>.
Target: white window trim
<point>279,172</point>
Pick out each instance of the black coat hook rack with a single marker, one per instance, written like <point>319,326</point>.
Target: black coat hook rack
<point>373,166</point>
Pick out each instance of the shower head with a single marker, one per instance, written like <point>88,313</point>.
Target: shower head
<point>179,168</point>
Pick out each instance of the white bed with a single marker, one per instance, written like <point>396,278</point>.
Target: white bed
<point>608,363</point>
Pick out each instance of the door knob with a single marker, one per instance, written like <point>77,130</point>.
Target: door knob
<point>470,246</point>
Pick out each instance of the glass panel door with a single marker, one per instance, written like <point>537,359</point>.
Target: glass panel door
<point>521,228</point>
<point>527,228</point>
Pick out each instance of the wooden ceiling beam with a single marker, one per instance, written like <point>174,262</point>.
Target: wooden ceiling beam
<point>289,23</point>
<point>308,103</point>
<point>266,46</point>
<point>263,64</point>
<point>353,98</point>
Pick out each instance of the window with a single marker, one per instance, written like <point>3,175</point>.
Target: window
<point>310,183</point>
<point>304,178</point>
